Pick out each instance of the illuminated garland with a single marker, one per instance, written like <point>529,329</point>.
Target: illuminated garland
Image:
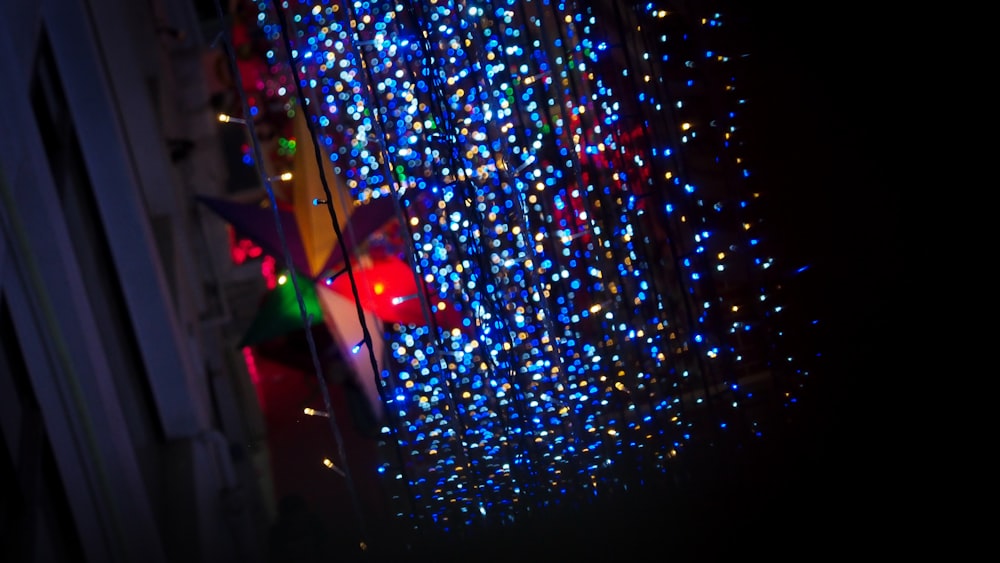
<point>568,190</point>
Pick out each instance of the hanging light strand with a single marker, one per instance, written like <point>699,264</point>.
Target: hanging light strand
<point>266,180</point>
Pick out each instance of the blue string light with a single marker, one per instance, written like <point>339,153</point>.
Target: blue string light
<point>546,194</point>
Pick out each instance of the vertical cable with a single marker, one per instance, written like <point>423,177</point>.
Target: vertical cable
<point>259,162</point>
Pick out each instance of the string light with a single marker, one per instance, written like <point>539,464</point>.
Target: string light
<point>304,315</point>
<point>223,118</point>
<point>283,177</point>
<point>403,299</point>
<point>329,279</point>
<point>545,194</point>
<point>330,465</point>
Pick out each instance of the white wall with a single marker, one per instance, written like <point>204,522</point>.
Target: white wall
<point>107,59</point>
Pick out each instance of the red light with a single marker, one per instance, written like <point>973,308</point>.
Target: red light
<point>268,269</point>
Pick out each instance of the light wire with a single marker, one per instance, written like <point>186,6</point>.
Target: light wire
<point>306,320</point>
